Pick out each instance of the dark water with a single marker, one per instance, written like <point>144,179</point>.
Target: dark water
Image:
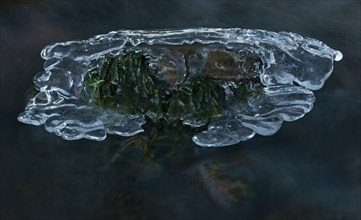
<point>310,169</point>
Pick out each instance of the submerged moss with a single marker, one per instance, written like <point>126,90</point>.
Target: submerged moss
<point>124,82</point>
<point>127,83</point>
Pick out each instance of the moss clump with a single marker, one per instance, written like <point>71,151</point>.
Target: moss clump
<point>127,83</point>
<point>242,92</point>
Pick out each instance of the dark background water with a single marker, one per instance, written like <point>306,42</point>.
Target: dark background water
<point>310,169</point>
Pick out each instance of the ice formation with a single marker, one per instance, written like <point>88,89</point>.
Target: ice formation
<point>234,83</point>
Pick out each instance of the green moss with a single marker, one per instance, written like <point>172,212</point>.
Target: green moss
<point>124,82</point>
<point>242,92</point>
<point>205,99</point>
<point>127,83</point>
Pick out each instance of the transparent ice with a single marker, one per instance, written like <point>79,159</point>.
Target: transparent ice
<point>292,66</point>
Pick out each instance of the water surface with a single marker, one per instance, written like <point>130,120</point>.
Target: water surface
<point>310,169</point>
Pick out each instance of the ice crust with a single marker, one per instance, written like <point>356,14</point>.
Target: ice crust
<point>292,66</point>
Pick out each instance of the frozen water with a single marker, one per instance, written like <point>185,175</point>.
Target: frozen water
<point>289,67</point>
<point>262,114</point>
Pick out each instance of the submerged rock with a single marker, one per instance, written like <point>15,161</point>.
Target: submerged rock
<point>229,84</point>
<point>229,184</point>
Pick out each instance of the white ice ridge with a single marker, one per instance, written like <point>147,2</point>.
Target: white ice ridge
<point>292,66</point>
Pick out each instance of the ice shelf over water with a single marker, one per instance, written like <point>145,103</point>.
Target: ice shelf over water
<point>278,70</point>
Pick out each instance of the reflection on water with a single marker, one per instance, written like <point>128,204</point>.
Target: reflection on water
<point>166,176</point>
<point>309,170</point>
